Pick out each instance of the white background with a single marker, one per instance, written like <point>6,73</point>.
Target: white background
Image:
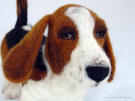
<point>120,18</point>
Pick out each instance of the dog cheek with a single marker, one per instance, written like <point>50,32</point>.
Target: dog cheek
<point>58,53</point>
<point>54,55</point>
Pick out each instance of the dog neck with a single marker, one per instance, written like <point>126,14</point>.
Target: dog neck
<point>53,88</point>
<point>61,85</point>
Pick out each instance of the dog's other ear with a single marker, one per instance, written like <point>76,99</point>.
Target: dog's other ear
<point>19,61</point>
<point>109,51</point>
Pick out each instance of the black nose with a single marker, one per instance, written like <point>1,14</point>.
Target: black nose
<point>97,73</point>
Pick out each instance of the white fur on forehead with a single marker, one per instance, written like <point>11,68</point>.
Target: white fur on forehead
<point>77,10</point>
<point>81,15</point>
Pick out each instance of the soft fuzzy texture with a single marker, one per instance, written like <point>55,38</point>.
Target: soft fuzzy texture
<point>63,69</point>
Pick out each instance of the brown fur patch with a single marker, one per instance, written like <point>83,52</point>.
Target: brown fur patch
<point>57,50</point>
<point>109,51</point>
<point>99,25</point>
<point>4,49</point>
<point>19,62</point>
<point>38,74</point>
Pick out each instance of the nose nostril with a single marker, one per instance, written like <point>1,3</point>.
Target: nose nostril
<point>97,73</point>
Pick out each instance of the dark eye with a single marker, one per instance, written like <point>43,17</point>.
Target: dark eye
<point>100,34</point>
<point>67,33</point>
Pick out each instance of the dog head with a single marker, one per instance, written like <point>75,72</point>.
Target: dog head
<point>78,46</point>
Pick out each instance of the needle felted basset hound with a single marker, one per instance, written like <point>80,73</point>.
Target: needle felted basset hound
<point>77,54</point>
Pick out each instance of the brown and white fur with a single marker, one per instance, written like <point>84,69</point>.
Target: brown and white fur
<point>73,43</point>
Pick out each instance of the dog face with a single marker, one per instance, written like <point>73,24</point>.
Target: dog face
<point>78,46</point>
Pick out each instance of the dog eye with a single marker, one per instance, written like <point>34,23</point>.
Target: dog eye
<point>67,33</point>
<point>67,36</point>
<point>100,34</point>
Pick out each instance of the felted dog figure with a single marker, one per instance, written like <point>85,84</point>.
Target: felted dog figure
<point>76,55</point>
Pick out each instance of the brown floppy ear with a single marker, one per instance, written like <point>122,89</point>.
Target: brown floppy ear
<point>109,51</point>
<point>19,62</point>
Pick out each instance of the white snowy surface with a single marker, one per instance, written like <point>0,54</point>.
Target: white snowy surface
<point>120,18</point>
